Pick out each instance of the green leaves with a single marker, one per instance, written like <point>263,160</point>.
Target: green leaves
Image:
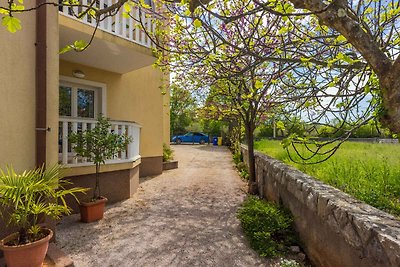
<point>197,23</point>
<point>280,125</point>
<point>258,84</point>
<point>25,196</point>
<point>11,23</point>
<point>340,39</point>
<point>267,226</point>
<point>78,46</point>
<point>127,9</point>
<point>99,144</point>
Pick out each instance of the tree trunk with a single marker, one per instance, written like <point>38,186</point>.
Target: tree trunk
<point>96,193</point>
<point>253,188</point>
<point>390,85</point>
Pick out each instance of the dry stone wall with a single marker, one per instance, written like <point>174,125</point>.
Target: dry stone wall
<point>336,229</point>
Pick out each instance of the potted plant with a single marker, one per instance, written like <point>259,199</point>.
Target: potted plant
<point>97,145</point>
<point>168,156</point>
<point>25,199</point>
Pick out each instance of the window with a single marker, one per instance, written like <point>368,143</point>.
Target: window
<point>86,103</point>
<point>65,101</point>
<point>79,101</point>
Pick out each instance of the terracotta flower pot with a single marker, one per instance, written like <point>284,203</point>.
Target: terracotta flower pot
<point>92,211</point>
<point>31,254</point>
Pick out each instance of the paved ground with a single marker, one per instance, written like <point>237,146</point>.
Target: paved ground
<point>184,217</point>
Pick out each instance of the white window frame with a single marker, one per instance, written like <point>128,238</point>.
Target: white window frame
<point>100,89</point>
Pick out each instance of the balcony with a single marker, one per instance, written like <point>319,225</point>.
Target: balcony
<point>67,157</point>
<point>121,42</point>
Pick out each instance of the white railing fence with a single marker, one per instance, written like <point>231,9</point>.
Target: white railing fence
<point>66,155</point>
<point>119,25</point>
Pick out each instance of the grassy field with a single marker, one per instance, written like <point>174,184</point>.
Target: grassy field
<point>369,172</point>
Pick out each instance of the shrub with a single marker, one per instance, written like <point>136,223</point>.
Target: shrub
<point>167,153</point>
<point>237,158</point>
<point>265,131</point>
<point>26,197</point>
<point>289,263</point>
<point>241,166</point>
<point>243,172</point>
<point>267,226</point>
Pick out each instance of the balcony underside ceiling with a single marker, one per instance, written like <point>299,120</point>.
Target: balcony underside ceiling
<point>105,54</point>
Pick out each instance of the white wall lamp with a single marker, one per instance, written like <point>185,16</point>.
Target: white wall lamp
<point>78,74</point>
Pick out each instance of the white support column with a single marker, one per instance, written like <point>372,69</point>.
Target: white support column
<point>153,30</point>
<point>102,24</point>
<point>149,31</point>
<point>136,141</point>
<point>123,26</point>
<point>64,9</point>
<point>76,11</point>
<point>115,129</point>
<point>84,128</point>
<point>117,24</point>
<point>136,25</point>
<point>85,17</point>
<point>110,18</point>
<point>74,130</point>
<point>131,26</point>
<point>65,142</point>
<point>130,145</point>
<point>123,132</point>
<point>143,35</point>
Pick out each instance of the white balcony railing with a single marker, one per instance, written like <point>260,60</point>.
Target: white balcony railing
<point>127,28</point>
<point>66,155</point>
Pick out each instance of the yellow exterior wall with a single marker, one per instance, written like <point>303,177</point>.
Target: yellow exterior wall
<point>134,96</point>
<point>166,113</point>
<point>52,85</point>
<point>17,91</point>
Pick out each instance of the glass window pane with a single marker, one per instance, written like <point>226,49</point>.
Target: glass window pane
<point>65,101</point>
<point>85,103</point>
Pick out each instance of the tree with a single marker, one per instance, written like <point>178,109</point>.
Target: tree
<point>345,52</point>
<point>182,109</point>
<point>370,27</point>
<point>329,79</point>
<point>237,85</point>
<point>98,145</point>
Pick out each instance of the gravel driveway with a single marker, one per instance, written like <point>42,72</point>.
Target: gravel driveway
<point>184,217</point>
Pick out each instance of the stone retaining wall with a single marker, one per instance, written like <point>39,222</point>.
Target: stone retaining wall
<point>336,229</point>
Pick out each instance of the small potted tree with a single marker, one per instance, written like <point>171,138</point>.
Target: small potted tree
<point>97,145</point>
<point>25,199</point>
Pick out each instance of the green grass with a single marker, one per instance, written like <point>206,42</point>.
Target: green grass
<point>268,227</point>
<point>369,172</point>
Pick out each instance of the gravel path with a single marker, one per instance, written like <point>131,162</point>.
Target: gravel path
<point>184,217</point>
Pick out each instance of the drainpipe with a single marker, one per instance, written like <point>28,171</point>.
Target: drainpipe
<point>41,83</point>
